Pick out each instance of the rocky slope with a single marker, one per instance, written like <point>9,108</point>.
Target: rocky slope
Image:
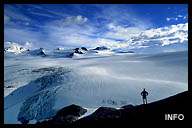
<point>108,116</point>
<point>155,111</point>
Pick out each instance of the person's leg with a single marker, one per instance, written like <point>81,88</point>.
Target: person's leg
<point>146,100</point>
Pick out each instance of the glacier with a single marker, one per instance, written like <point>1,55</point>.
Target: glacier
<point>36,87</point>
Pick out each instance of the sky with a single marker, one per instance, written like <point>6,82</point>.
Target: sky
<point>139,27</point>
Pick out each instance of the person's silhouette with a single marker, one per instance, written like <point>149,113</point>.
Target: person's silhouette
<point>144,95</point>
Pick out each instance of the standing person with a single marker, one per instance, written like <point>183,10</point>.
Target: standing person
<point>144,94</point>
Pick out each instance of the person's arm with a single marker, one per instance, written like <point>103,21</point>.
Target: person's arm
<point>142,93</point>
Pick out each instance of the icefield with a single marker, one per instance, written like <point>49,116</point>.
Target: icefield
<point>36,87</point>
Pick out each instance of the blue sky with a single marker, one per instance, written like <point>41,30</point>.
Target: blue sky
<point>90,25</point>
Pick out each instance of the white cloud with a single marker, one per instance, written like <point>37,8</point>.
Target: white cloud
<point>121,15</point>
<point>29,45</point>
<point>147,38</point>
<point>54,13</point>
<point>13,16</point>
<point>182,16</point>
<point>74,35</point>
<point>178,17</point>
<point>163,36</point>
<point>70,20</point>
<point>120,32</point>
<point>81,20</point>
<point>41,14</point>
<point>14,13</point>
<point>168,19</point>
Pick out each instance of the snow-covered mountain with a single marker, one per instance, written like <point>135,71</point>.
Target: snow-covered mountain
<point>40,52</point>
<point>11,47</point>
<point>14,47</point>
<point>36,87</point>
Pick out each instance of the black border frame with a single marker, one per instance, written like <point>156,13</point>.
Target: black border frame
<point>189,2</point>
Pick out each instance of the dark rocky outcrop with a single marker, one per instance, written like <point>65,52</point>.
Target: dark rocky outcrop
<point>127,106</point>
<point>71,55</point>
<point>21,48</point>
<point>155,111</point>
<point>23,120</point>
<point>63,120</point>
<point>59,49</point>
<point>76,49</point>
<point>73,109</point>
<point>123,51</point>
<point>130,52</point>
<point>41,52</point>
<point>83,48</point>
<point>101,48</point>
<point>104,113</point>
<point>79,52</point>
<point>9,86</point>
<point>123,117</point>
<point>65,116</point>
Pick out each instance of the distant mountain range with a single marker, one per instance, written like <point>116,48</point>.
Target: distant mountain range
<point>11,47</point>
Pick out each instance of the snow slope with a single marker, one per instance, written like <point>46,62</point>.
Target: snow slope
<point>37,87</point>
